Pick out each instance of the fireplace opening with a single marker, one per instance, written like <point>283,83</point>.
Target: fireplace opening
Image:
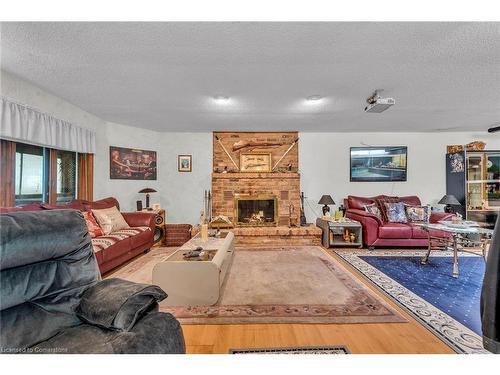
<point>256,210</point>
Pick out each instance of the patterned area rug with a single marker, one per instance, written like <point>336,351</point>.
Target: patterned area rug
<point>447,306</point>
<point>294,350</point>
<point>296,285</point>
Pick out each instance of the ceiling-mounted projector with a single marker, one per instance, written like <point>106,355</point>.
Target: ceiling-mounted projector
<point>376,104</point>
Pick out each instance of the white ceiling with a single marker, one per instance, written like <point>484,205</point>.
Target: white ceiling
<point>162,76</point>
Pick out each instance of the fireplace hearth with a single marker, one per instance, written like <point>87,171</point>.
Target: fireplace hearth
<point>256,210</point>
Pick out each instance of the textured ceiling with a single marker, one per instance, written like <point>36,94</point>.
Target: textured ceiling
<point>162,76</point>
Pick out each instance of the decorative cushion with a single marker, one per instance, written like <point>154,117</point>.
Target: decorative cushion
<point>418,214</point>
<point>381,205</point>
<point>396,212</point>
<point>110,220</point>
<point>94,229</point>
<point>373,209</point>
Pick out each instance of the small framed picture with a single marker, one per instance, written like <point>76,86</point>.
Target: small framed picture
<point>184,163</point>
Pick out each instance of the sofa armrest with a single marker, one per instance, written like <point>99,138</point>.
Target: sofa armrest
<point>369,222</point>
<point>140,219</point>
<point>118,304</point>
<point>364,214</point>
<point>438,216</point>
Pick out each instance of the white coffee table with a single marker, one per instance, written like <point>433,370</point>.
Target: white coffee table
<point>195,282</point>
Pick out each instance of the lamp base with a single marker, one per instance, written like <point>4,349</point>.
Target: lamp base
<point>326,210</point>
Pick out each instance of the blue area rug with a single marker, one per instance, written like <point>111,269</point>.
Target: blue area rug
<point>457,297</point>
<point>447,306</point>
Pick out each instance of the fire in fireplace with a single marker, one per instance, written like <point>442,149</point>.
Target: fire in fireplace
<point>256,210</point>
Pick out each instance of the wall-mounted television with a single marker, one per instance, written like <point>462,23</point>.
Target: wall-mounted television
<point>378,164</point>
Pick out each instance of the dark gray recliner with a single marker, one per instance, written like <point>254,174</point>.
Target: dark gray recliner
<point>53,301</point>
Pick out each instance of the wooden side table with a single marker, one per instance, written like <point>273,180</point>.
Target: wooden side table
<point>333,232</point>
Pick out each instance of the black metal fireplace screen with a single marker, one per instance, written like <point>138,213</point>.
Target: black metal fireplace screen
<point>256,210</point>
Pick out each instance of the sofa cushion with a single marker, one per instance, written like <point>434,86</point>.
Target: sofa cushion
<point>418,214</point>
<point>373,209</point>
<point>395,230</point>
<point>110,220</point>
<point>395,212</point>
<point>103,242</point>
<point>381,201</point>
<point>418,232</point>
<point>94,229</point>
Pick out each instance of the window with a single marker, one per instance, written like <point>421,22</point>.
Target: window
<point>66,176</point>
<point>29,174</point>
<point>44,175</point>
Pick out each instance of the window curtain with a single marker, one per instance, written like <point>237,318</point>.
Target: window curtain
<point>21,123</point>
<point>7,161</point>
<point>86,176</point>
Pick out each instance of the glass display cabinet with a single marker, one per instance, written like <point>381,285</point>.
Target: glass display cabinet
<point>483,186</point>
<point>473,177</point>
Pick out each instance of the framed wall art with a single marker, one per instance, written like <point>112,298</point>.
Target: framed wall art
<point>132,164</point>
<point>184,163</point>
<point>255,162</point>
<point>378,164</point>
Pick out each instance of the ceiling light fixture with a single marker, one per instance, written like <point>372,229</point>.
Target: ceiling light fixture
<point>314,98</point>
<point>221,99</point>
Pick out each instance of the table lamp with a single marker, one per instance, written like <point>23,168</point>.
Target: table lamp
<point>326,200</point>
<point>449,200</point>
<point>147,191</point>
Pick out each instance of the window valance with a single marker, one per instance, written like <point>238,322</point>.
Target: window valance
<point>21,123</point>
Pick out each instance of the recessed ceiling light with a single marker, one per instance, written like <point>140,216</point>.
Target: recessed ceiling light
<point>314,98</point>
<point>221,99</point>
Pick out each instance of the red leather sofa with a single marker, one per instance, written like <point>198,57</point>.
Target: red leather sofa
<point>376,232</point>
<point>119,248</point>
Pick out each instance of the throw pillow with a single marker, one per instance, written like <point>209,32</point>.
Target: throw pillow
<point>381,205</point>
<point>418,214</point>
<point>373,209</point>
<point>396,212</point>
<point>94,229</point>
<point>110,220</point>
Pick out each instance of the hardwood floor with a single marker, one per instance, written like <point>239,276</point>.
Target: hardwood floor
<point>378,338</point>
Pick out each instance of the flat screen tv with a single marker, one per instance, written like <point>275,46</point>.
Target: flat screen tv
<point>378,164</point>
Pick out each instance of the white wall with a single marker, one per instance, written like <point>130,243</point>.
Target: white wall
<point>324,164</point>
<point>324,159</point>
<point>180,193</point>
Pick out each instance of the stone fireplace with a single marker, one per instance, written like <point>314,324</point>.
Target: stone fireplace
<point>230,188</point>
<point>256,210</point>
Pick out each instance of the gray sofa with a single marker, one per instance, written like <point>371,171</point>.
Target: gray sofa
<point>53,301</point>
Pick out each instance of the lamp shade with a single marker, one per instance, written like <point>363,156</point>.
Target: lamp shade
<point>147,190</point>
<point>449,199</point>
<point>326,199</point>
